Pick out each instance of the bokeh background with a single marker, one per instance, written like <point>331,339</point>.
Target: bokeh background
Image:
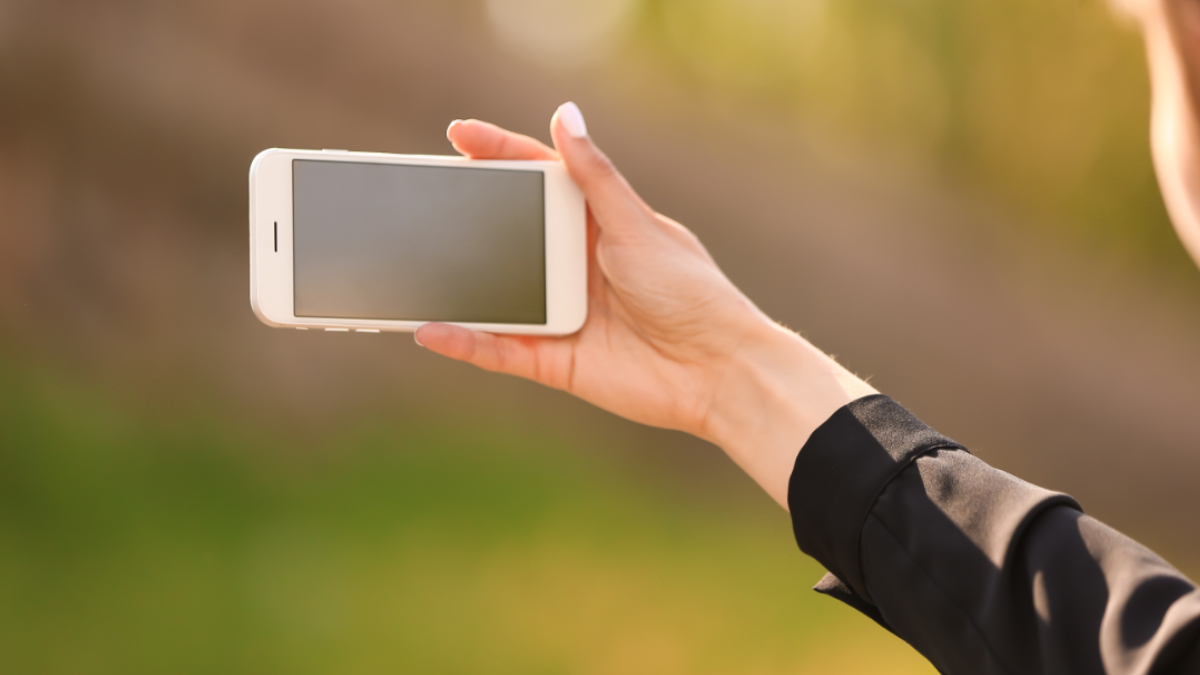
<point>954,196</point>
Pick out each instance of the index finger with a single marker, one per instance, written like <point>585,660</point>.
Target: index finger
<point>482,140</point>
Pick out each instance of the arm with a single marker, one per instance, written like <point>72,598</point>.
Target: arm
<point>979,571</point>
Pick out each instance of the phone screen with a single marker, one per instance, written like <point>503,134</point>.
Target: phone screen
<point>419,243</point>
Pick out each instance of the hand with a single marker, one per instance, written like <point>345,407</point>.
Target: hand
<point>669,341</point>
<point>663,321</point>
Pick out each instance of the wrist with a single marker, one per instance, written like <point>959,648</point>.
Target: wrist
<point>776,391</point>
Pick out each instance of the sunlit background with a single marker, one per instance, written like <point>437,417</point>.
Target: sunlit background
<point>954,196</point>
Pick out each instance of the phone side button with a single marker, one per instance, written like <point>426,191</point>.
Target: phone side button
<point>337,330</point>
<point>366,330</point>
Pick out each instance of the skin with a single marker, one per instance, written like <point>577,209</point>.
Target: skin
<point>1172,35</point>
<point>671,342</point>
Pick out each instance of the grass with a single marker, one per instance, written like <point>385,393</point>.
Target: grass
<point>130,544</point>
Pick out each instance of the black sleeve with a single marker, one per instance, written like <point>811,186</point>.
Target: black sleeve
<point>980,571</point>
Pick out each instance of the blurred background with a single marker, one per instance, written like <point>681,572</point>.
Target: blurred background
<point>954,196</point>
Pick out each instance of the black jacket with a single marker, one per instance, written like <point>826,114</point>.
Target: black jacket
<point>978,570</point>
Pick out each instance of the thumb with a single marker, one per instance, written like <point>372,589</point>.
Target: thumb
<point>615,205</point>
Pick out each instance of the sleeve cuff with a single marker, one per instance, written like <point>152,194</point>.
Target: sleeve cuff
<point>840,472</point>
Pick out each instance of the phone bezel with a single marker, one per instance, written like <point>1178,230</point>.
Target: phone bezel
<point>271,273</point>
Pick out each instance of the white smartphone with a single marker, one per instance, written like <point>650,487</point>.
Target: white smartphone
<point>369,242</point>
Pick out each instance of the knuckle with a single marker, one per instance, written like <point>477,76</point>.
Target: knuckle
<point>600,167</point>
<point>500,145</point>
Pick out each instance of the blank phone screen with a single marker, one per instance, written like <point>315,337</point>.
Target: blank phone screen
<point>418,243</point>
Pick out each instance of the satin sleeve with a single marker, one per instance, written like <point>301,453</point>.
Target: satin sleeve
<point>978,570</point>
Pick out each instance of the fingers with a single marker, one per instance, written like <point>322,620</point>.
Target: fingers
<point>618,209</point>
<point>481,140</point>
<point>501,353</point>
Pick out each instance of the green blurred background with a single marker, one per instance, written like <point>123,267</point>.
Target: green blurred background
<point>954,196</point>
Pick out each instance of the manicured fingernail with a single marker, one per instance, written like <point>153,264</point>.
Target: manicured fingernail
<point>572,120</point>
<point>417,339</point>
<point>451,127</point>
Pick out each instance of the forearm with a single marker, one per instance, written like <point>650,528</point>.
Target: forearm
<point>981,572</point>
<point>777,389</point>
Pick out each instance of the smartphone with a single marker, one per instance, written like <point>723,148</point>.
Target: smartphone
<point>369,242</point>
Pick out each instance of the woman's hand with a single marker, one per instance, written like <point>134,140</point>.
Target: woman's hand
<point>669,341</point>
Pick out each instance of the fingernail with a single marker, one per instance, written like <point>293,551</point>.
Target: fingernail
<point>572,120</point>
<point>451,127</point>
<point>417,339</point>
